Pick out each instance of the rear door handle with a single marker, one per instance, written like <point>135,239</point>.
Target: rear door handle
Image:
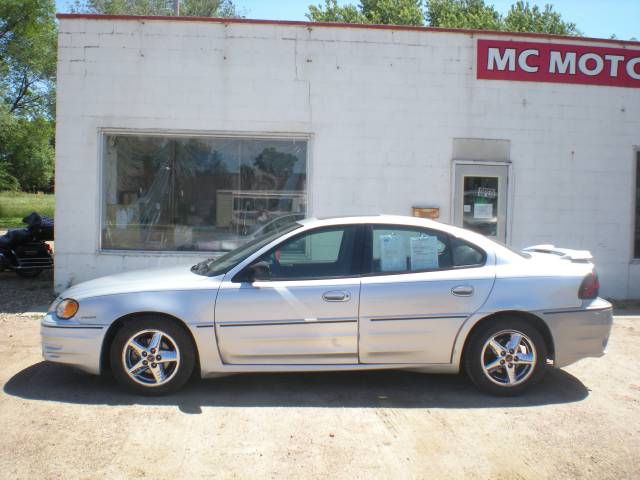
<point>336,296</point>
<point>462,291</point>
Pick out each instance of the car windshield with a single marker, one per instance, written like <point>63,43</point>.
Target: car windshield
<point>220,265</point>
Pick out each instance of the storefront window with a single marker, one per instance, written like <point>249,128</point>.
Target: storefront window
<point>199,193</point>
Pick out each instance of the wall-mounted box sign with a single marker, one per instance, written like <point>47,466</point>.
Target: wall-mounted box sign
<point>426,212</point>
<point>558,63</point>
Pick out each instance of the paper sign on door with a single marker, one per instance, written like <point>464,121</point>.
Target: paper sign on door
<point>424,253</point>
<point>483,210</point>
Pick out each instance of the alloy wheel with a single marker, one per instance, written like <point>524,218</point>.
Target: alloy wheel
<point>508,358</point>
<point>151,358</point>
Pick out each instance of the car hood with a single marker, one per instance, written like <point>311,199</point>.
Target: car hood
<point>152,280</point>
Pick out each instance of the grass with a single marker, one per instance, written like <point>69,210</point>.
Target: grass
<point>14,206</point>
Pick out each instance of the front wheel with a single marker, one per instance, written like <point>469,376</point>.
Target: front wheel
<point>152,356</point>
<point>505,356</point>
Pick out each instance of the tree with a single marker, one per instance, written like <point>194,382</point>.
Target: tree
<point>332,12</point>
<point>29,143</point>
<point>27,85</point>
<point>524,18</point>
<point>470,14</point>
<point>188,8</point>
<point>393,12</point>
<point>28,56</point>
<point>473,14</point>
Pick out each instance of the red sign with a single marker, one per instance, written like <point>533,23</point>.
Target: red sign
<point>558,63</point>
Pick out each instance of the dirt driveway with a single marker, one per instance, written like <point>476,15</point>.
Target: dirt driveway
<point>582,422</point>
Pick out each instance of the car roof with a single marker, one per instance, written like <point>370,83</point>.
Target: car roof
<point>402,220</point>
<point>375,219</point>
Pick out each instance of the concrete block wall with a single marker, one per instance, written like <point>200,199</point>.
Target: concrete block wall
<point>381,108</point>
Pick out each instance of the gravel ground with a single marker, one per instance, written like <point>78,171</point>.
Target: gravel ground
<point>18,295</point>
<point>581,422</point>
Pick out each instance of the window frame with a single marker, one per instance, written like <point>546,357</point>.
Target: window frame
<point>367,260</point>
<point>356,267</point>
<point>104,132</point>
<point>635,219</point>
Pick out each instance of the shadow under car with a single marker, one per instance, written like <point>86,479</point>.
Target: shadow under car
<point>371,389</point>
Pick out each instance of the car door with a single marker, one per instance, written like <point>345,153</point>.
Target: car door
<point>420,287</point>
<point>305,313</point>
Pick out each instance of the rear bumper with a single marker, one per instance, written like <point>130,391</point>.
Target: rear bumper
<point>71,343</point>
<point>580,333</point>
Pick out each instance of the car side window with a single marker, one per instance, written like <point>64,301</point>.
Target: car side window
<point>466,255</point>
<point>407,250</point>
<point>317,254</point>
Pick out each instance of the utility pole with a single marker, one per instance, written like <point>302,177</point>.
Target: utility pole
<point>176,7</point>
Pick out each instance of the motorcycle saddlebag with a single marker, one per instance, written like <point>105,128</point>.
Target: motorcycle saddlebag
<point>32,250</point>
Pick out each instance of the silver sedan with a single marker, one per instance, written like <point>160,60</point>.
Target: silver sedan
<point>357,293</point>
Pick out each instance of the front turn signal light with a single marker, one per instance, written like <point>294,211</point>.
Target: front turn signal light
<point>67,308</point>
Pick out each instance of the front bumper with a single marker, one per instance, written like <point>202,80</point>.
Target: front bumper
<point>72,343</point>
<point>580,333</point>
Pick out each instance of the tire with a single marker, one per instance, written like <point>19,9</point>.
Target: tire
<point>30,273</point>
<point>489,368</point>
<point>133,345</point>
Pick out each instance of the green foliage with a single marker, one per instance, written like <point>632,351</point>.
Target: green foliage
<point>470,14</point>
<point>332,12</point>
<point>27,153</point>
<point>473,14</point>
<point>7,181</point>
<point>14,206</point>
<point>188,8</point>
<point>524,18</point>
<point>27,86</point>
<point>393,12</point>
<point>27,56</point>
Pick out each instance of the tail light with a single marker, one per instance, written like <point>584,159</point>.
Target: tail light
<point>49,248</point>
<point>590,286</point>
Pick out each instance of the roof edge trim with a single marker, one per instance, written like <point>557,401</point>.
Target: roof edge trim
<point>297,23</point>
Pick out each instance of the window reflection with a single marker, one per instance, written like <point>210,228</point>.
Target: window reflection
<point>199,193</point>
<point>480,208</point>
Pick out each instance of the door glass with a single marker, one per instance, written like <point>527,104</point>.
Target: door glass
<point>406,250</point>
<point>480,207</point>
<point>324,253</point>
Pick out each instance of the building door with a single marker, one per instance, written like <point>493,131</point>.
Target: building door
<point>480,199</point>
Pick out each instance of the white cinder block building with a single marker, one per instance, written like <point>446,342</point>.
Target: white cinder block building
<point>177,138</point>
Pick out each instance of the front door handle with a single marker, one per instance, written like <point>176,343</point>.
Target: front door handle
<point>462,291</point>
<point>336,296</point>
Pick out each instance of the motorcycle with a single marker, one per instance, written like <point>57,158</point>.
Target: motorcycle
<point>25,250</point>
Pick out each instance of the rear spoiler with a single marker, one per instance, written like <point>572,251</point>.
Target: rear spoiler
<point>578,256</point>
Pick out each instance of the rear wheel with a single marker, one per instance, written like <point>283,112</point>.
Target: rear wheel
<point>152,356</point>
<point>505,356</point>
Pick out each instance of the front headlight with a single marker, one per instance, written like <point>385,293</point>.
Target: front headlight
<point>67,308</point>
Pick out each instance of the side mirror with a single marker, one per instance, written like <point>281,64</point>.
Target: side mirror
<point>259,271</point>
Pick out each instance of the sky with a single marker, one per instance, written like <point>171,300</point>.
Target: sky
<point>595,18</point>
